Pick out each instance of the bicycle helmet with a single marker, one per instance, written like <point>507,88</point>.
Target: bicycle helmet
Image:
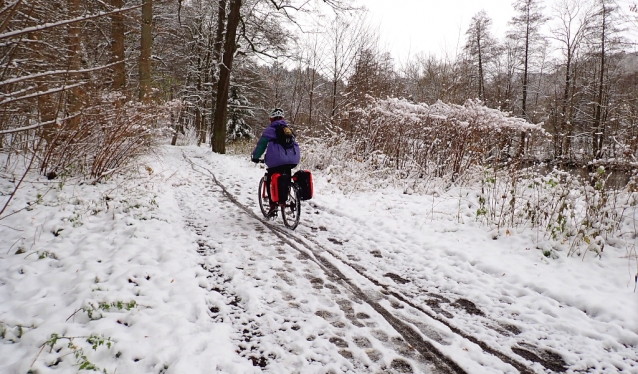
<point>277,112</point>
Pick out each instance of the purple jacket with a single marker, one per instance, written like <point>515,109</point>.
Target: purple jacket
<point>276,155</point>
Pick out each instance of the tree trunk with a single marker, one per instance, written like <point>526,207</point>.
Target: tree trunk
<point>217,57</point>
<point>333,112</point>
<point>310,102</point>
<point>74,61</point>
<point>198,125</point>
<point>525,80</point>
<point>480,68</point>
<point>145,55</point>
<point>47,106</point>
<point>597,136</point>
<point>173,124</point>
<point>225,68</point>
<point>117,46</point>
<point>47,109</point>
<point>565,120</point>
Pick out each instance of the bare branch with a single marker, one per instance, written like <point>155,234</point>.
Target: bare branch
<point>48,92</point>
<point>57,72</point>
<point>37,125</point>
<point>62,23</point>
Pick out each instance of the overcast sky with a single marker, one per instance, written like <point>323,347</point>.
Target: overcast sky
<point>408,27</point>
<point>411,26</point>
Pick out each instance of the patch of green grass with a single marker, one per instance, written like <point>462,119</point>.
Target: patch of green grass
<point>81,358</point>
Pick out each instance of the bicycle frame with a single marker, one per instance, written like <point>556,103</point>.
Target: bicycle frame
<point>264,192</point>
<point>290,209</point>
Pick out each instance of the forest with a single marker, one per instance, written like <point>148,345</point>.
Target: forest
<point>89,85</point>
<point>473,210</point>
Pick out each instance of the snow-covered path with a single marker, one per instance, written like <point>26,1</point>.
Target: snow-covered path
<point>464,311</point>
<point>368,283</point>
<point>291,310</point>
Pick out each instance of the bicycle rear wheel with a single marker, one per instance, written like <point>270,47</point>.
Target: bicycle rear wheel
<point>291,211</point>
<point>262,197</point>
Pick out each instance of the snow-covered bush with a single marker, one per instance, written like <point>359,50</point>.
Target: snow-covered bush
<point>443,140</point>
<point>109,136</point>
<point>422,148</point>
<point>569,213</point>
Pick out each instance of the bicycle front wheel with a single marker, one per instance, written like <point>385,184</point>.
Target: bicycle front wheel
<point>262,197</point>
<point>291,211</point>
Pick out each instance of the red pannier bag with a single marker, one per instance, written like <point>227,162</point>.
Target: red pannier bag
<point>279,184</point>
<point>304,181</point>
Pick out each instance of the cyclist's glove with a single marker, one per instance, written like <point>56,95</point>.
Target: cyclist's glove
<point>255,160</point>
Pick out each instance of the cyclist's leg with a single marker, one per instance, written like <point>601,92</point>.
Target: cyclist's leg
<point>269,174</point>
<point>288,171</point>
<point>283,169</point>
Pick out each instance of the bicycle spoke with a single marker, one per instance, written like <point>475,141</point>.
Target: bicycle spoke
<point>292,210</point>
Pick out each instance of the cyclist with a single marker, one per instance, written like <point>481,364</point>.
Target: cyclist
<point>279,159</point>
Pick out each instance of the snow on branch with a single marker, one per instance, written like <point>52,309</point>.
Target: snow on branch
<point>42,93</point>
<point>49,25</point>
<point>447,139</point>
<point>471,114</point>
<point>58,72</point>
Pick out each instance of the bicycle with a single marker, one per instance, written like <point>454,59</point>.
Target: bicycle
<point>290,209</point>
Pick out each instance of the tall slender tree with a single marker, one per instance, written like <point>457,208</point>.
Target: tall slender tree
<point>217,58</point>
<point>117,46</point>
<point>526,31</point>
<point>345,38</point>
<point>605,31</point>
<point>146,48</point>
<point>480,46</point>
<point>225,68</point>
<point>74,62</point>
<point>573,20</point>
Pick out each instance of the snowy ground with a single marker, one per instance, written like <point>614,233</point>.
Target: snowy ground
<point>179,273</point>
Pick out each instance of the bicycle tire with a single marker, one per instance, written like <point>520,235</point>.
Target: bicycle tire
<point>291,211</point>
<point>264,201</point>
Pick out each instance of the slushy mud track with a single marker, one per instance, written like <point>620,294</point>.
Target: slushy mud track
<point>368,304</point>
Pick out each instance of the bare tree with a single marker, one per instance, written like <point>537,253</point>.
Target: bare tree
<point>480,46</point>
<point>145,51</point>
<point>573,22</point>
<point>526,30</point>
<point>117,46</point>
<point>605,33</point>
<point>230,44</point>
<point>345,38</point>
<point>55,104</point>
<point>225,68</point>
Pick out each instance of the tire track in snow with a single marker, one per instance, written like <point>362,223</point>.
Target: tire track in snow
<point>473,316</point>
<point>557,367</point>
<point>412,335</point>
<point>359,339</point>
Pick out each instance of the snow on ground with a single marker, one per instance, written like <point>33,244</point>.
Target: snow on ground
<point>169,273</point>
